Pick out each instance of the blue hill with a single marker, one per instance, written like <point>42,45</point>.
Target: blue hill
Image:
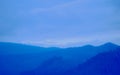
<point>17,58</point>
<point>107,63</point>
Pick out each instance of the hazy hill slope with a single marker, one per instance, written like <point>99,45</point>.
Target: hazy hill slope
<point>64,65</point>
<point>19,57</point>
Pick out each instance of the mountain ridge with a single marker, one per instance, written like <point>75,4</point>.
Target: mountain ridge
<point>87,45</point>
<point>22,57</point>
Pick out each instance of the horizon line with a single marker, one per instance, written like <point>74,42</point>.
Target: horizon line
<point>61,47</point>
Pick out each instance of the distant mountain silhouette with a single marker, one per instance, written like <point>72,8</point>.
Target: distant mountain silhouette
<point>107,63</point>
<point>70,56</point>
<point>19,57</point>
<point>15,48</point>
<point>16,58</point>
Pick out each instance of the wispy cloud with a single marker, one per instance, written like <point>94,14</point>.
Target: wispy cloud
<point>38,10</point>
<point>76,6</point>
<point>60,6</point>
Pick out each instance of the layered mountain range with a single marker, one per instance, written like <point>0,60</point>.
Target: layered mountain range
<point>20,59</point>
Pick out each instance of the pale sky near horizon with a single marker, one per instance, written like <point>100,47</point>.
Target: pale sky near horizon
<point>61,23</point>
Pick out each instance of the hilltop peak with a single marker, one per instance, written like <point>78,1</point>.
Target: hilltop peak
<point>88,45</point>
<point>109,44</point>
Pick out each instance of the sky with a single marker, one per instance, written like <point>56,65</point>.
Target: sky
<point>60,23</point>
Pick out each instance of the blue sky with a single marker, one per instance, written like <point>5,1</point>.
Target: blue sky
<point>60,23</point>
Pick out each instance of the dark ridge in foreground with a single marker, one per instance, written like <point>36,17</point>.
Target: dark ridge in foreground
<point>107,63</point>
